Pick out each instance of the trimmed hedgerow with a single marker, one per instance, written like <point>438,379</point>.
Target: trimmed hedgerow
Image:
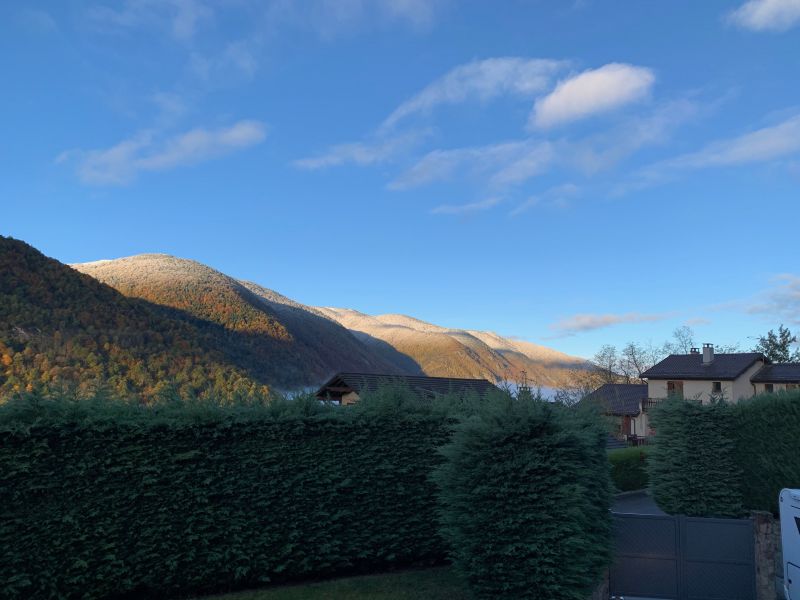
<point>629,468</point>
<point>692,465</point>
<point>722,459</point>
<point>525,497</point>
<point>107,500</point>
<point>767,432</point>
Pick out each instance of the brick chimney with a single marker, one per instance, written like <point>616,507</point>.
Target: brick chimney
<point>708,354</point>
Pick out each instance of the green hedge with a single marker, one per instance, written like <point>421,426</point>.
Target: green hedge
<point>629,468</point>
<point>525,498</point>
<point>103,501</point>
<point>725,460</point>
<point>767,447</point>
<point>692,465</point>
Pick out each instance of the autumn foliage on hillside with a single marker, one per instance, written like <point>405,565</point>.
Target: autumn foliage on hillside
<point>60,329</point>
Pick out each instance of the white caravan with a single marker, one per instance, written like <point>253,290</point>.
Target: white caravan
<point>790,540</point>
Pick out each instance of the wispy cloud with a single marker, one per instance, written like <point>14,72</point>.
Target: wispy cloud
<point>511,163</point>
<point>238,58</point>
<point>767,15</point>
<point>334,18</point>
<point>559,195</point>
<point>767,143</point>
<point>505,163</point>
<point>462,209</point>
<point>148,151</point>
<point>181,17</point>
<point>361,153</point>
<point>782,301</point>
<point>38,20</point>
<point>588,322</point>
<point>592,92</point>
<point>697,321</point>
<point>774,142</point>
<point>604,150</point>
<point>481,80</point>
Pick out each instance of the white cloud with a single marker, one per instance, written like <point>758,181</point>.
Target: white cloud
<point>512,163</point>
<point>697,322</point>
<point>361,153</point>
<point>592,92</point>
<point>181,17</point>
<point>767,15</point>
<point>504,163</point>
<point>462,209</point>
<point>589,322</point>
<point>331,18</point>
<point>764,144</point>
<point>603,150</point>
<point>147,151</point>
<point>38,20</point>
<point>481,80</point>
<point>557,196</point>
<point>782,301</point>
<point>239,58</point>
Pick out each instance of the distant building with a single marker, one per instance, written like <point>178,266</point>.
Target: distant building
<point>346,388</point>
<point>702,376</point>
<point>624,402</point>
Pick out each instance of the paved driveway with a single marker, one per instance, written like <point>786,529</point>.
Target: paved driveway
<point>640,503</point>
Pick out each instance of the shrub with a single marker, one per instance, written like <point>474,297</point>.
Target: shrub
<point>629,468</point>
<point>692,466</point>
<point>111,499</point>
<point>525,498</point>
<point>767,434</point>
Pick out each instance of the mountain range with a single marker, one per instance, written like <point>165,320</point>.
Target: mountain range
<point>153,320</point>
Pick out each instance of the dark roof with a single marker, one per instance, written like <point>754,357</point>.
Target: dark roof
<point>344,383</point>
<point>780,373</point>
<point>690,366</point>
<point>619,399</point>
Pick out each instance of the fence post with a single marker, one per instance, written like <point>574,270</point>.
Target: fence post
<point>602,591</point>
<point>769,564</point>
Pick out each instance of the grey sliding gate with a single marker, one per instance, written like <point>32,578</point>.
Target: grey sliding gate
<point>682,558</point>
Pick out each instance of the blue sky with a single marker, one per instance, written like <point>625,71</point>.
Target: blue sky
<point>571,173</point>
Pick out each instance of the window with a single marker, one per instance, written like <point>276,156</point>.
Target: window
<point>716,387</point>
<point>675,388</point>
<point>791,386</point>
<point>768,388</point>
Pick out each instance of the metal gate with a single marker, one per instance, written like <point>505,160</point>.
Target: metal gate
<point>682,558</point>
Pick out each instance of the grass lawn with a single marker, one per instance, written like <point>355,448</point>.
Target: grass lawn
<point>425,584</point>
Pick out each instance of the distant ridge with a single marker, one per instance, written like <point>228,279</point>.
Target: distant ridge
<point>292,346</point>
<point>299,345</point>
<point>446,352</point>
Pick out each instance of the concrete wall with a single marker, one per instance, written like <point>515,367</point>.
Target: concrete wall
<point>769,561</point>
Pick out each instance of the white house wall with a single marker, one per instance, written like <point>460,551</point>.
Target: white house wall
<point>743,387</point>
<point>733,391</point>
<point>776,387</point>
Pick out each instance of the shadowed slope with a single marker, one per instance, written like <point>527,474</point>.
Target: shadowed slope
<point>288,343</point>
<point>60,328</point>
